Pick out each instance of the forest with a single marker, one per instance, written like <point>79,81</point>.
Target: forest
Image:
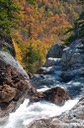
<point>36,25</point>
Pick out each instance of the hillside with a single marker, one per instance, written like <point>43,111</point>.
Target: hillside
<point>39,25</point>
<point>47,38</point>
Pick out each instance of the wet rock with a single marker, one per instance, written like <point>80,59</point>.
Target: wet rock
<point>55,95</point>
<point>75,117</point>
<point>66,76</point>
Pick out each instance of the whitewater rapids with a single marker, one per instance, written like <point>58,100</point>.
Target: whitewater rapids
<point>26,113</point>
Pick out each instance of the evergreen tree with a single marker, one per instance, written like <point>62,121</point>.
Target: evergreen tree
<point>81,21</point>
<point>78,29</point>
<point>7,13</point>
<point>32,58</point>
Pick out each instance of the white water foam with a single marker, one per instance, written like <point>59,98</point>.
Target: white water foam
<point>25,114</point>
<point>54,59</point>
<point>43,89</point>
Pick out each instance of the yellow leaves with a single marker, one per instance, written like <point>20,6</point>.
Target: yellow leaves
<point>18,53</point>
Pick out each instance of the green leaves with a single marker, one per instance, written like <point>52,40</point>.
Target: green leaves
<point>32,58</point>
<point>77,31</point>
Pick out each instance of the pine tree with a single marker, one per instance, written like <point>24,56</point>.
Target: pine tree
<point>81,21</point>
<point>7,13</point>
<point>78,28</point>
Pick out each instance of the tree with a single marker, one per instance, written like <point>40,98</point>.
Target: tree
<point>78,28</point>
<point>81,24</point>
<point>7,14</point>
<point>32,58</point>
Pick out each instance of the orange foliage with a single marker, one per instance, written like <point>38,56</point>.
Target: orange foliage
<point>43,24</point>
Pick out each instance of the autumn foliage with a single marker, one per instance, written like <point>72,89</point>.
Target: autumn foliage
<point>41,24</point>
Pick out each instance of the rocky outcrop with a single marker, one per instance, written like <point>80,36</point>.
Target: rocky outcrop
<point>55,95</point>
<point>73,56</point>
<point>13,86</point>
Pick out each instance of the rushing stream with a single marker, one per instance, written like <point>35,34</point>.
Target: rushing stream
<point>26,114</point>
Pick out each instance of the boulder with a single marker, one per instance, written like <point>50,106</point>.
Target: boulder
<point>56,51</point>
<point>66,76</point>
<point>55,95</point>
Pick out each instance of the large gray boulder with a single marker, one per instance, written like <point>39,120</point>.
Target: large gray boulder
<point>56,51</point>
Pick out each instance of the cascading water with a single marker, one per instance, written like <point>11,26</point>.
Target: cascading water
<point>27,113</point>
